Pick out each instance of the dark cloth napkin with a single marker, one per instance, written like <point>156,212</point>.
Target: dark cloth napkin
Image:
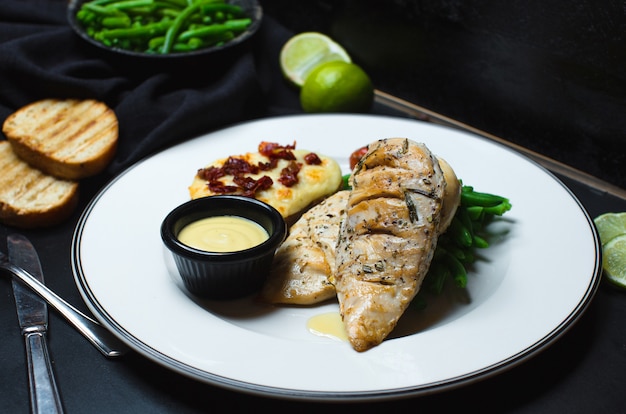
<point>157,103</point>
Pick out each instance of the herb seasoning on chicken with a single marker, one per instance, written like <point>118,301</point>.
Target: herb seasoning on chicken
<point>388,237</point>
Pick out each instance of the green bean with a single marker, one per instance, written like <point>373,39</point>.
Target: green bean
<point>466,221</point>
<point>216,29</point>
<point>462,254</point>
<point>469,257</point>
<point>191,45</point>
<point>175,28</point>
<point>181,47</point>
<point>499,209</point>
<point>130,4</point>
<point>479,242</point>
<point>167,12</point>
<point>134,23</point>
<point>459,233</point>
<point>101,2</point>
<point>86,18</point>
<point>459,274</point>
<point>116,22</point>
<point>475,213</point>
<point>115,3</point>
<point>172,32</point>
<point>438,274</point>
<point>455,248</point>
<point>195,43</point>
<point>473,198</point>
<point>215,6</point>
<point>133,32</point>
<point>178,3</point>
<point>101,10</point>
<point>155,43</point>
<point>345,179</point>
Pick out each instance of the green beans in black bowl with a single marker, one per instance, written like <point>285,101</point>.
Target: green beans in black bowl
<point>164,28</point>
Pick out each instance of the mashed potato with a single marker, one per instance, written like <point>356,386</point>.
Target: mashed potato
<point>318,177</point>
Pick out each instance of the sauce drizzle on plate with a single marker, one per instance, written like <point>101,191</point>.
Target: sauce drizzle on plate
<point>329,325</point>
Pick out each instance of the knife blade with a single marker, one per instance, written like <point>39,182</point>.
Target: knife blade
<point>32,314</point>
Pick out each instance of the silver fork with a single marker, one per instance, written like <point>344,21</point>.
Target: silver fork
<point>101,338</point>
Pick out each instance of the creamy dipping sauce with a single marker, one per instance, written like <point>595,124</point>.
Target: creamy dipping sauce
<point>329,325</point>
<point>223,234</point>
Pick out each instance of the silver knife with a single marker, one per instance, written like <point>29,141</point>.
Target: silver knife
<point>32,313</point>
<point>98,335</point>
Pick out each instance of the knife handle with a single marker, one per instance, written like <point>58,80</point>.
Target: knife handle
<point>44,394</point>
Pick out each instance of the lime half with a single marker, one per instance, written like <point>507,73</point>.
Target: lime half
<point>337,87</point>
<point>614,261</point>
<point>610,225</point>
<point>305,51</point>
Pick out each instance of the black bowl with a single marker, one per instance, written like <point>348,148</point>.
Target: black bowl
<point>252,9</point>
<point>223,275</point>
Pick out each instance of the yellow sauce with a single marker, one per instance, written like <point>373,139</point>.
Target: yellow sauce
<point>329,325</point>
<point>223,234</point>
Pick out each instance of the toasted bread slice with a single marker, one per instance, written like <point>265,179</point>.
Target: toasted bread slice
<point>28,197</point>
<point>70,139</point>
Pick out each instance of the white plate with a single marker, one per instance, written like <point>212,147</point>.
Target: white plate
<point>530,286</point>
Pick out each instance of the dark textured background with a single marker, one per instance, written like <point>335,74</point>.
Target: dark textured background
<point>548,75</point>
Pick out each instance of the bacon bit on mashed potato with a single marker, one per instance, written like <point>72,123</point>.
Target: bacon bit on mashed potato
<point>288,179</point>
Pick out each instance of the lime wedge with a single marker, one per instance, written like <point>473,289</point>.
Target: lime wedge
<point>610,225</point>
<point>614,261</point>
<point>305,51</point>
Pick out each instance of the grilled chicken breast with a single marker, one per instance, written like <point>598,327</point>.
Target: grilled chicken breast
<point>302,273</point>
<point>303,264</point>
<point>388,238</point>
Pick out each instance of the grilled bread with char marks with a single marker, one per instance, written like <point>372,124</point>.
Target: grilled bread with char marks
<point>70,139</point>
<point>28,197</point>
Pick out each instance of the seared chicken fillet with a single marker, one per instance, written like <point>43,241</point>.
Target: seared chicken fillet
<point>388,237</point>
<point>304,264</point>
<point>306,259</point>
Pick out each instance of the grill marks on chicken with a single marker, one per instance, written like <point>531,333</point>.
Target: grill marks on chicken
<point>388,237</point>
<point>372,246</point>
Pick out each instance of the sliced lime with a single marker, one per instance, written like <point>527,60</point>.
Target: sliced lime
<point>305,51</point>
<point>614,261</point>
<point>610,225</point>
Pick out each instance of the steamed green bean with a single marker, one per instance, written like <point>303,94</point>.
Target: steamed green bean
<point>162,26</point>
<point>455,248</point>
